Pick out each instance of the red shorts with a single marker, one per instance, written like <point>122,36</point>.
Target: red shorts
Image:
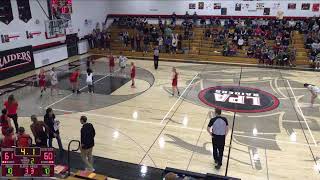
<point>174,83</point>
<point>111,63</point>
<point>133,75</point>
<point>42,83</point>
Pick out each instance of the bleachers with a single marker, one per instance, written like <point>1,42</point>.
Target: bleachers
<point>201,49</point>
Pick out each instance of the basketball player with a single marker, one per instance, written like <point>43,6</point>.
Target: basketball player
<point>42,81</point>
<point>54,81</point>
<point>23,139</point>
<point>133,74</point>
<point>9,139</point>
<point>89,80</point>
<point>5,121</point>
<point>111,63</point>
<point>175,81</point>
<point>74,80</point>
<point>12,107</point>
<point>122,63</point>
<point>314,91</point>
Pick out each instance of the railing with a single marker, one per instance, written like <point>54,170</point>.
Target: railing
<point>73,150</point>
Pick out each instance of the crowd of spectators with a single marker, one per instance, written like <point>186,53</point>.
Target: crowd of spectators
<point>145,36</point>
<point>268,40</point>
<point>99,38</point>
<point>310,29</point>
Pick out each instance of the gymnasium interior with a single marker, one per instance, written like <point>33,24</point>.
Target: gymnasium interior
<point>258,61</point>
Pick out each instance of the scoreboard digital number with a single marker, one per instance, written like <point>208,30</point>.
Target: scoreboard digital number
<point>62,6</point>
<point>27,162</point>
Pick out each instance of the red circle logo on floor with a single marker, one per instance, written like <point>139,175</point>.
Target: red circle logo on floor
<point>239,99</point>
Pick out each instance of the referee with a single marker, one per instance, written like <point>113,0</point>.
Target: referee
<point>218,129</point>
<point>156,57</point>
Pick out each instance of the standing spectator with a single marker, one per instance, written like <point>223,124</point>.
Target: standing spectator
<point>89,80</point>
<point>168,44</point>
<point>138,42</point>
<point>39,131</point>
<point>54,80</point>
<point>53,128</point>
<point>174,44</point>
<point>108,42</point>
<point>74,80</point>
<point>132,41</point>
<point>9,139</point>
<point>218,129</point>
<point>12,107</point>
<point>87,142</point>
<point>160,43</point>
<point>23,139</point>
<point>5,121</point>
<point>156,57</point>
<point>173,18</point>
<point>146,42</point>
<point>179,42</point>
<point>195,18</point>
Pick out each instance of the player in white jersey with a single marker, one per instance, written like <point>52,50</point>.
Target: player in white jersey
<point>314,91</point>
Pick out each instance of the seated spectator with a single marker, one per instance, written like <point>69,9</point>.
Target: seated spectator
<point>23,139</point>
<point>315,46</point>
<point>285,42</point>
<point>226,50</point>
<point>250,52</point>
<point>240,42</point>
<point>207,33</point>
<point>9,139</point>
<point>271,56</point>
<point>233,50</point>
<point>317,61</point>
<point>146,42</point>
<point>168,44</point>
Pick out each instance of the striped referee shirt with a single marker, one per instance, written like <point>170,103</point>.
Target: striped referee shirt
<point>219,125</point>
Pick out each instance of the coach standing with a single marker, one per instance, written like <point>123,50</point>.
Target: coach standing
<point>87,142</point>
<point>156,57</point>
<point>218,129</point>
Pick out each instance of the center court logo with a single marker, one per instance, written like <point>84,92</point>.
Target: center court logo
<point>239,99</point>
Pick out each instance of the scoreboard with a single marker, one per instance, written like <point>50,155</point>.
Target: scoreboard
<point>27,162</point>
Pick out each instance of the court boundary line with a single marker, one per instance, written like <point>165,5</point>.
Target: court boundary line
<point>302,115</point>
<point>109,74</point>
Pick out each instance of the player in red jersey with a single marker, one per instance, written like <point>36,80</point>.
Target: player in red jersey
<point>23,139</point>
<point>111,63</point>
<point>42,81</point>
<point>5,121</point>
<point>12,107</point>
<point>9,139</point>
<point>133,74</point>
<point>174,81</point>
<point>74,80</point>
